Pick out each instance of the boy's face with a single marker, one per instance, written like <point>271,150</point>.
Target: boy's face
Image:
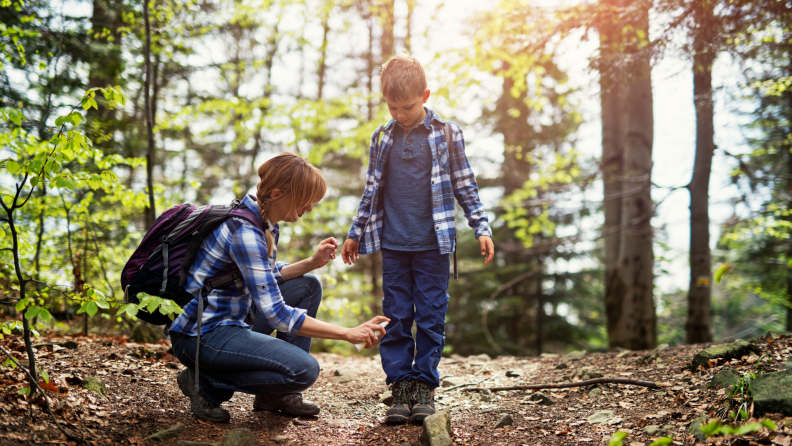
<point>408,112</point>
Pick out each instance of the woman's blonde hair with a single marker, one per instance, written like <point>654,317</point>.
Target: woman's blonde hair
<point>295,177</point>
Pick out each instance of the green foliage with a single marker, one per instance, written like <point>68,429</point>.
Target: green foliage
<point>715,427</point>
<point>617,438</point>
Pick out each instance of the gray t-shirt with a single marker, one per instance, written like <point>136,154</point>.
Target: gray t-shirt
<point>407,196</point>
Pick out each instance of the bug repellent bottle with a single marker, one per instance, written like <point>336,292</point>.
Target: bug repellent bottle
<point>359,347</point>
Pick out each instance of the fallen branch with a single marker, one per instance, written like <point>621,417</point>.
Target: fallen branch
<point>589,382</point>
<point>46,399</point>
<point>465,385</point>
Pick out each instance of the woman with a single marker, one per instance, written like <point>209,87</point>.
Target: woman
<point>232,357</point>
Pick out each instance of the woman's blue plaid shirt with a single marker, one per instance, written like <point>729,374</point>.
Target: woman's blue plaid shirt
<point>452,177</point>
<point>240,242</point>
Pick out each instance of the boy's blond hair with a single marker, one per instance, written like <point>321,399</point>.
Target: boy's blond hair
<point>402,77</point>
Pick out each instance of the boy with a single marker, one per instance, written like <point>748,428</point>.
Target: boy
<point>407,210</point>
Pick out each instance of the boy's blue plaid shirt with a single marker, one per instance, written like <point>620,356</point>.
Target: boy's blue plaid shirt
<point>240,242</point>
<point>452,178</point>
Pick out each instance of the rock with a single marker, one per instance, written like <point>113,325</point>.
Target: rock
<point>513,373</point>
<point>280,439</point>
<point>386,398</point>
<point>346,372</point>
<point>574,356</point>
<point>406,444</point>
<point>561,366</point>
<point>195,443</point>
<point>437,430</point>
<point>726,378</point>
<point>772,393</point>
<point>736,349</point>
<point>651,429</point>
<point>661,347</point>
<point>694,428</point>
<point>505,420</point>
<point>95,384</point>
<point>489,367</point>
<point>666,428</point>
<point>341,379</point>
<point>452,381</point>
<point>601,417</point>
<point>543,399</point>
<point>486,395</point>
<point>626,354</point>
<point>482,357</point>
<point>239,437</point>
<point>595,392</point>
<point>611,375</point>
<point>145,333</point>
<point>548,356</point>
<point>171,432</point>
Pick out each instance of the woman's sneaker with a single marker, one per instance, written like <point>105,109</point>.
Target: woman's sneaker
<point>200,408</point>
<point>423,403</point>
<point>399,411</point>
<point>291,404</point>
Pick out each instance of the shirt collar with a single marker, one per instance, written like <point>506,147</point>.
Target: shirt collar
<point>427,122</point>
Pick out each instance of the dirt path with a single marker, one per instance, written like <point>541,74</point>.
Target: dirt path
<point>142,398</point>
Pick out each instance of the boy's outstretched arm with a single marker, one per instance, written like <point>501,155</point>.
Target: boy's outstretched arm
<point>364,209</point>
<point>466,192</point>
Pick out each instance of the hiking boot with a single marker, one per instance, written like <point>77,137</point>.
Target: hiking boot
<point>291,404</point>
<point>199,406</point>
<point>423,403</point>
<point>399,411</point>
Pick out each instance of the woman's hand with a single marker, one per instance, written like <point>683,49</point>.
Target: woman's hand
<point>364,333</point>
<point>325,252</point>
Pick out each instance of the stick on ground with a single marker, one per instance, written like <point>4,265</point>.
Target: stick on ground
<point>589,382</point>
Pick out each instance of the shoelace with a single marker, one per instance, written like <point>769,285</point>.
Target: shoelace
<point>421,394</point>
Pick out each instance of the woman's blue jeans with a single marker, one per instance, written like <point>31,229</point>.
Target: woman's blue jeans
<point>235,359</point>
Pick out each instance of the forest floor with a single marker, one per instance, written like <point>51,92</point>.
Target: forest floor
<point>143,398</point>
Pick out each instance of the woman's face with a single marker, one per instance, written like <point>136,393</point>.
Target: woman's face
<point>280,209</point>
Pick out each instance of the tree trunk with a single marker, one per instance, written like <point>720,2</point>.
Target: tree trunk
<point>612,164</point>
<point>408,39</point>
<point>636,328</point>
<point>323,53</point>
<point>699,316</point>
<point>387,21</point>
<point>788,151</point>
<point>151,211</point>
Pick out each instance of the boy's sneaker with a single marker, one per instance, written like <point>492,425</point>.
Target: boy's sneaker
<point>423,403</point>
<point>200,408</point>
<point>291,404</point>
<point>399,411</point>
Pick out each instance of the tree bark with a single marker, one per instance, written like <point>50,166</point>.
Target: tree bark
<point>614,123</point>
<point>151,211</point>
<point>636,326</point>
<point>699,316</point>
<point>323,53</point>
<point>387,21</point>
<point>408,38</point>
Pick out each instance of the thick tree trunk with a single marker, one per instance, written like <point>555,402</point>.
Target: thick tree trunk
<point>323,54</point>
<point>788,150</point>
<point>614,123</point>
<point>408,39</point>
<point>699,316</point>
<point>151,211</point>
<point>387,21</point>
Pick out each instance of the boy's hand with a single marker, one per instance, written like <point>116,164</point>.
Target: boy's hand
<point>487,248</point>
<point>349,253</point>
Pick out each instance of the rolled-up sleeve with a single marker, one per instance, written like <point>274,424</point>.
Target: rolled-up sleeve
<point>249,252</point>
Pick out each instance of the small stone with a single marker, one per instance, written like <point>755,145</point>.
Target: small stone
<point>386,398</point>
<point>541,398</point>
<point>406,444</point>
<point>661,394</point>
<point>452,381</point>
<point>346,372</point>
<point>436,430</point>
<point>666,428</point>
<point>726,378</point>
<point>661,366</point>
<point>195,443</point>
<point>482,358</point>
<point>736,349</point>
<point>661,347</point>
<point>505,420</point>
<point>561,366</point>
<point>548,355</point>
<point>651,429</point>
<point>513,373</point>
<point>601,417</point>
<point>239,437</point>
<point>611,375</point>
<point>574,356</point>
<point>314,429</point>
<point>341,379</point>
<point>171,432</point>
<point>489,367</point>
<point>280,439</point>
<point>486,396</point>
<point>595,392</point>
<point>95,384</point>
<point>626,354</point>
<point>694,428</point>
<point>71,345</point>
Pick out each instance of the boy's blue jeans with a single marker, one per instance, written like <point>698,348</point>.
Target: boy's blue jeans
<point>236,359</point>
<point>415,285</point>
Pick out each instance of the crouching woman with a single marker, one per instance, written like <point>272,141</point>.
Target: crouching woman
<point>234,352</point>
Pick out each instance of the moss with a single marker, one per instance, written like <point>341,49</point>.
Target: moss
<point>736,349</point>
<point>95,384</point>
<point>772,393</point>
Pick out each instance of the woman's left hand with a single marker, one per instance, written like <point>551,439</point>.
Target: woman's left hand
<point>325,252</point>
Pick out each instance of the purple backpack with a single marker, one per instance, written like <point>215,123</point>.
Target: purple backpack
<point>159,265</point>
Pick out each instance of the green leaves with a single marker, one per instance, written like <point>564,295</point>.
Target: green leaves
<point>12,166</point>
<point>89,307</point>
<point>721,271</point>
<point>662,441</point>
<point>11,114</point>
<point>617,438</point>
